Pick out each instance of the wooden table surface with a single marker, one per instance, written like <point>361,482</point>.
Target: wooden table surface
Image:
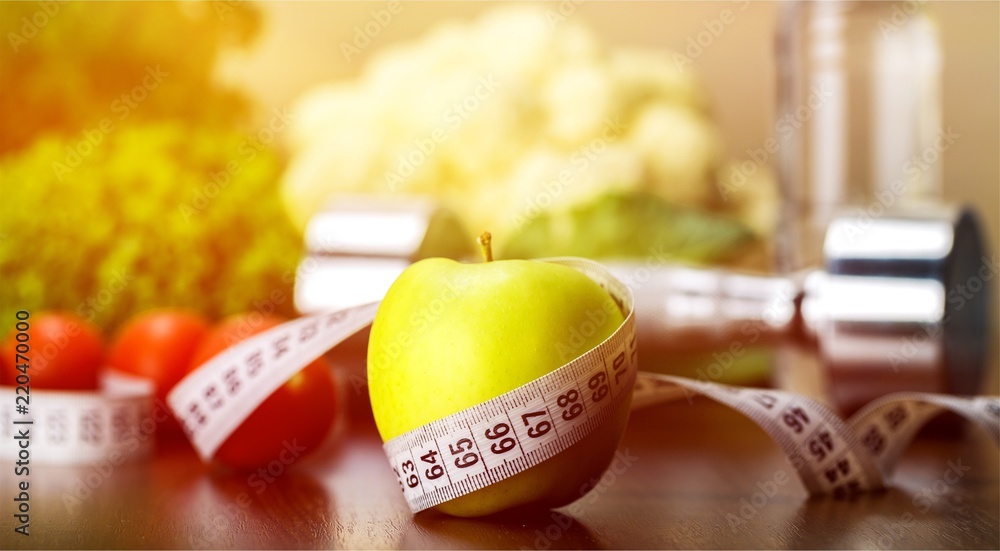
<point>686,471</point>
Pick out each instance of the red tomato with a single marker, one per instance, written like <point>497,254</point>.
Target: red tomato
<point>64,353</point>
<point>298,415</point>
<point>159,345</point>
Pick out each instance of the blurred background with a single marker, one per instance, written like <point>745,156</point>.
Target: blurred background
<point>170,154</point>
<point>737,70</point>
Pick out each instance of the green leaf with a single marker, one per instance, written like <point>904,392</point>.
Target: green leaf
<point>629,226</point>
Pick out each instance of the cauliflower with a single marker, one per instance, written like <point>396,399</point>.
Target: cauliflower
<point>504,118</point>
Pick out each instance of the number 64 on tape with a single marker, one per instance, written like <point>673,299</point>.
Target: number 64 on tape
<point>544,417</point>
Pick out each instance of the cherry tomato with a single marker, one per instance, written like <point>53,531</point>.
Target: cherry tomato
<point>159,345</point>
<point>64,353</point>
<point>297,416</point>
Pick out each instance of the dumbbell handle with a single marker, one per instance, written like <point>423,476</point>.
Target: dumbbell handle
<point>693,309</point>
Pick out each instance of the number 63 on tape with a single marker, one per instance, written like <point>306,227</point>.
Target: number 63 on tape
<point>544,417</point>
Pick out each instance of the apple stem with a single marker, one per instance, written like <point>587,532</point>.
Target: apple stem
<point>484,242</point>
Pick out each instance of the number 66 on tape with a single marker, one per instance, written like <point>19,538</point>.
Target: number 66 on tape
<point>544,417</point>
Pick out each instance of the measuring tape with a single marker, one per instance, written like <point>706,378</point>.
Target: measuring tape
<point>81,427</point>
<point>830,455</point>
<point>493,440</point>
<point>213,400</point>
<point>511,433</point>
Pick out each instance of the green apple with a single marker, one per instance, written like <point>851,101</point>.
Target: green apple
<point>448,336</point>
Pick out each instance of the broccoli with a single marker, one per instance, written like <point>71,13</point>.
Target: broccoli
<point>158,214</point>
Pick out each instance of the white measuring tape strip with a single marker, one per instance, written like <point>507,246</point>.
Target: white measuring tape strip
<point>79,427</point>
<point>521,428</point>
<point>821,447</point>
<point>511,433</point>
<point>213,400</point>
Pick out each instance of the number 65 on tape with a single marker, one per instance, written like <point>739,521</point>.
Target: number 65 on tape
<point>549,414</point>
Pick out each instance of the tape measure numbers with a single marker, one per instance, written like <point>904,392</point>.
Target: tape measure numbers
<point>213,400</point>
<point>498,438</point>
<point>81,427</point>
<point>515,431</point>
